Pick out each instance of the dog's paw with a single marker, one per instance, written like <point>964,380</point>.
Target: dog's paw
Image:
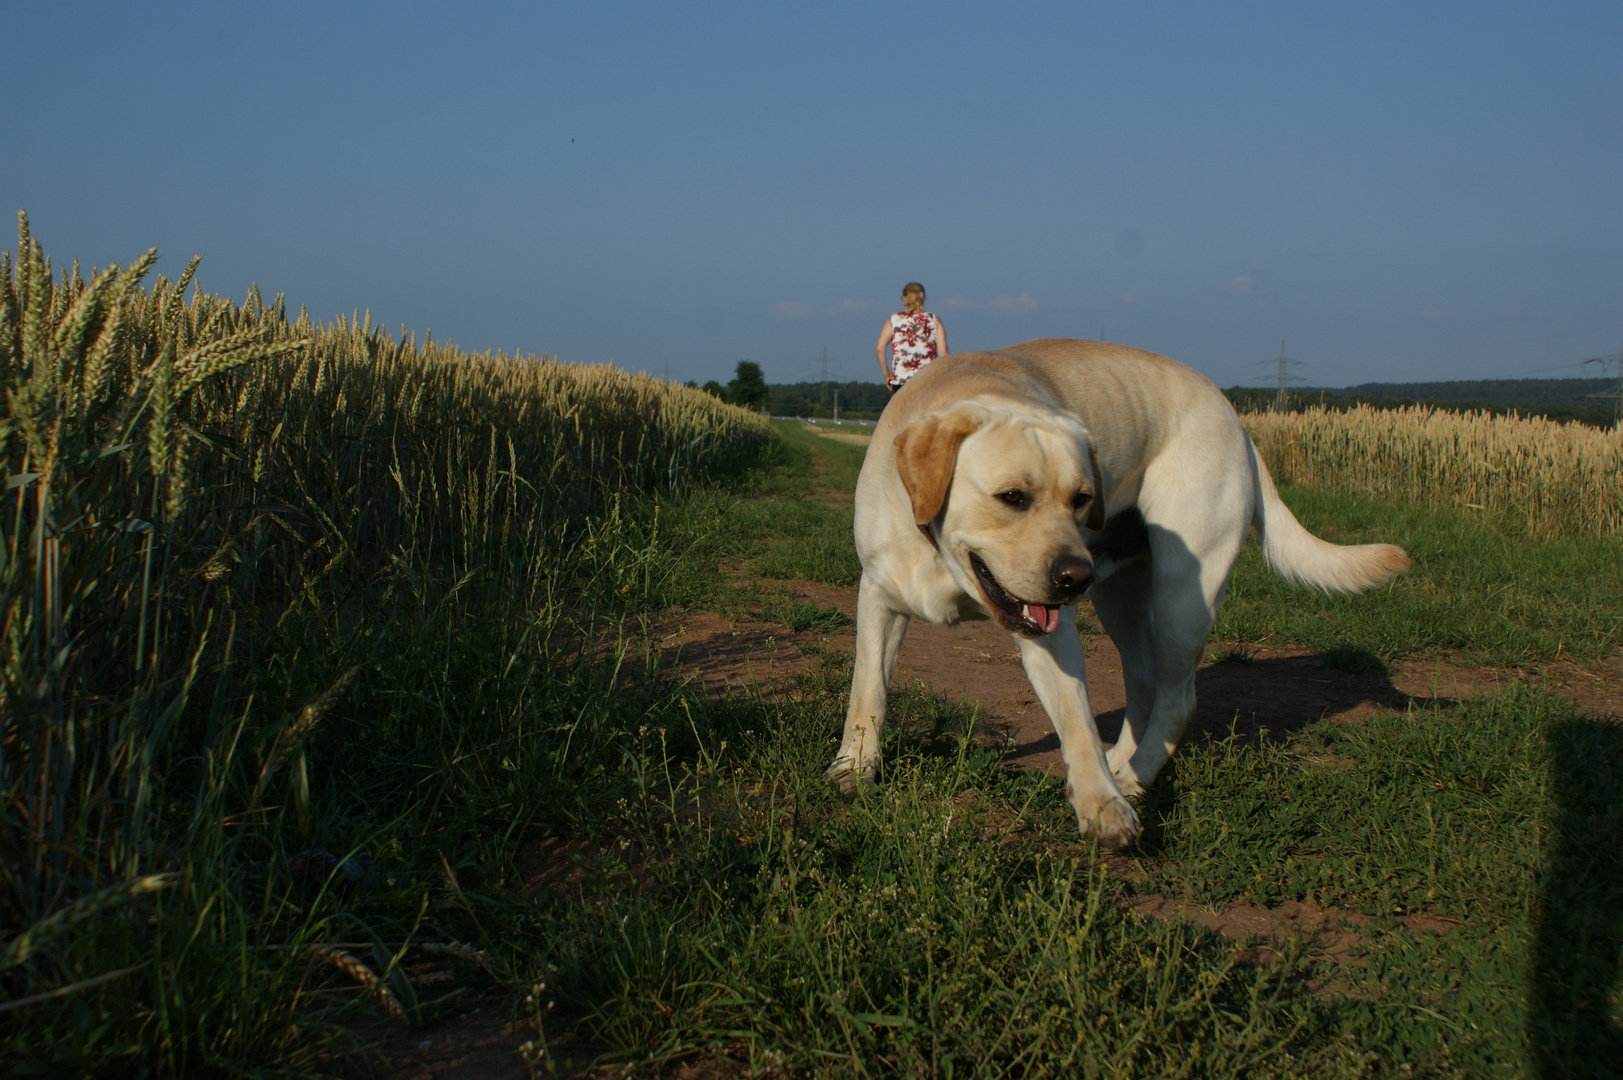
<point>851,780</point>
<point>1115,824</point>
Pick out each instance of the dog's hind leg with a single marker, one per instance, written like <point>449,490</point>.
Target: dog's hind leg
<point>880,629</point>
<point>1193,545</point>
<point>1054,664</point>
<point>1122,602</point>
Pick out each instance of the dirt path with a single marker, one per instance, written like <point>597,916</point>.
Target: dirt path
<point>1280,688</point>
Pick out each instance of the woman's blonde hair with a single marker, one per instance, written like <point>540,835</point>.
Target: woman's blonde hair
<point>913,297</point>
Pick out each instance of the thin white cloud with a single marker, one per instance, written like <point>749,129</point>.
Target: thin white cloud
<point>1242,285</point>
<point>999,305</point>
<point>788,309</point>
<point>1012,305</point>
<point>848,309</point>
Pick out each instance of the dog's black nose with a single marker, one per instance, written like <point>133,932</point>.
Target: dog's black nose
<point>1071,575</point>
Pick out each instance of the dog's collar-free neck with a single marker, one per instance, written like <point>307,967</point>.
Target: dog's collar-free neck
<point>929,534</point>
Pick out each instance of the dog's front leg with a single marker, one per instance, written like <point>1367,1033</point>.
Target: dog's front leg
<point>1055,665</point>
<point>880,629</point>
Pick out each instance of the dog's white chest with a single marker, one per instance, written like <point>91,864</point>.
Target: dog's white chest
<point>936,597</point>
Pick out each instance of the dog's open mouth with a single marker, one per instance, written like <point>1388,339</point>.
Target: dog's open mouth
<point>1017,615</point>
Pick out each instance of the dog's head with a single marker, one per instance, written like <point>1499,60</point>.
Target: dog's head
<point>1007,489</point>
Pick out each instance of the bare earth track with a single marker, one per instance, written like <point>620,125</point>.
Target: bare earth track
<point>1277,688</point>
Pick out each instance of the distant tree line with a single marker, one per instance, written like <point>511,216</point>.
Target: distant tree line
<point>748,386</point>
<point>858,400</point>
<point>1582,401</point>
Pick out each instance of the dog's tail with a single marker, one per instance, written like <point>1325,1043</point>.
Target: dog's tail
<point>1300,556</point>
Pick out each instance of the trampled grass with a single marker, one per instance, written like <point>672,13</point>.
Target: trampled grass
<point>1499,818</point>
<point>897,935</point>
<point>860,939</point>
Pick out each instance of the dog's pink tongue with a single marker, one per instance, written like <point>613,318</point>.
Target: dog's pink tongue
<point>1044,616</point>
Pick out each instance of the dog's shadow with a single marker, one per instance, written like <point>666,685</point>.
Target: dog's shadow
<point>1274,698</point>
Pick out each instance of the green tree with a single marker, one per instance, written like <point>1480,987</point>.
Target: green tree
<point>748,387</point>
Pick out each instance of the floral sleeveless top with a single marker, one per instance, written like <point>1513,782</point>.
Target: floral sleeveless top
<point>912,343</point>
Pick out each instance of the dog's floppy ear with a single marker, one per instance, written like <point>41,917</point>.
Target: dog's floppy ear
<point>1096,505</point>
<point>926,454</point>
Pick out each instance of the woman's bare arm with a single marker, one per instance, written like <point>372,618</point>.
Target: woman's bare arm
<point>940,337</point>
<point>879,350</point>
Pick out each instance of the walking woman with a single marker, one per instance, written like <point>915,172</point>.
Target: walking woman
<point>915,338</point>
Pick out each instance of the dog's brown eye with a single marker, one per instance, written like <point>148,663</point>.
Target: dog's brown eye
<point>1080,499</point>
<point>1014,498</point>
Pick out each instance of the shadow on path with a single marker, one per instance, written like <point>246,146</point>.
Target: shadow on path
<point>1276,696</point>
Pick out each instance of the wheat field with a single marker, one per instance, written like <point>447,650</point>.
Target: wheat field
<point>216,516</point>
<point>1534,476</point>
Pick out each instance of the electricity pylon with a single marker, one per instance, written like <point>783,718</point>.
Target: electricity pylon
<point>1283,378</point>
<point>825,360</point>
<point>1616,394</point>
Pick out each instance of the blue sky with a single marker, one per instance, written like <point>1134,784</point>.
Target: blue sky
<point>1398,191</point>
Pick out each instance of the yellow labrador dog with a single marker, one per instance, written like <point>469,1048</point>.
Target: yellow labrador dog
<point>1007,484</point>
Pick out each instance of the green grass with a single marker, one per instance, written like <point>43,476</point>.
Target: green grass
<point>806,537</point>
<point>891,936</point>
<point>1502,814</point>
<point>806,616</point>
<point>1474,592</point>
